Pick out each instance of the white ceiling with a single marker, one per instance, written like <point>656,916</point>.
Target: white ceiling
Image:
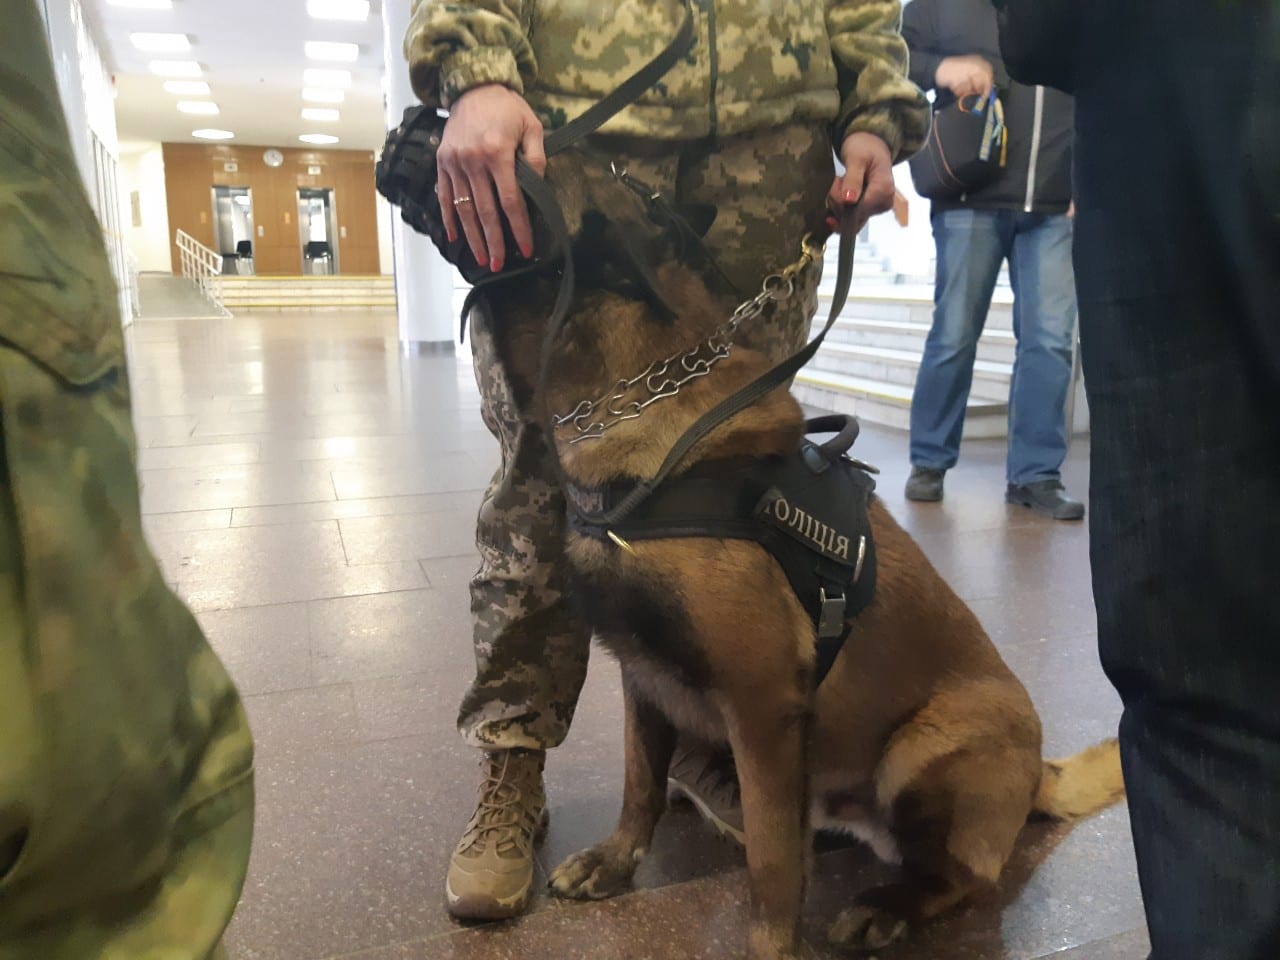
<point>252,55</point>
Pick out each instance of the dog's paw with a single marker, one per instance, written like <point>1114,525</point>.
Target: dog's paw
<point>864,927</point>
<point>595,874</point>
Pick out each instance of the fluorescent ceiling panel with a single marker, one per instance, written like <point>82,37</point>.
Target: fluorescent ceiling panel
<point>334,52</point>
<point>323,95</point>
<point>175,68</point>
<point>187,88</point>
<point>161,42</point>
<point>338,9</point>
<point>326,78</point>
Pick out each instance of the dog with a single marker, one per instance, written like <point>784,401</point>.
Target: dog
<point>920,741</point>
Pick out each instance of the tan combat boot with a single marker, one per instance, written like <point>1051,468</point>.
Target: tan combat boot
<point>491,873</point>
<point>707,778</point>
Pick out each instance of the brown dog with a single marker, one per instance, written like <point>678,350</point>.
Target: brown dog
<point>920,740</point>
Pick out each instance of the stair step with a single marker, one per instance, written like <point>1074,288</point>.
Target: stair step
<point>899,367</point>
<point>888,404</point>
<point>310,292</point>
<point>995,346</point>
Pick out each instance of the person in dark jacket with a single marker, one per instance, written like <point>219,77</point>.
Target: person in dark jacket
<point>1022,217</point>
<point>1177,254</point>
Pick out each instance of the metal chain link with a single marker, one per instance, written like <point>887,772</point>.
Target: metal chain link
<point>665,378</point>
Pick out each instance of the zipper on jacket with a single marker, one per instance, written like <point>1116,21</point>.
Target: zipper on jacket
<point>1036,128</point>
<point>714,56</point>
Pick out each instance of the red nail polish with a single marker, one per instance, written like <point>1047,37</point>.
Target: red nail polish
<point>496,266</point>
<point>482,259</point>
<point>850,196</point>
<point>526,250</point>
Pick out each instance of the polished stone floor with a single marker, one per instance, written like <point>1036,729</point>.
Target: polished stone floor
<point>310,491</point>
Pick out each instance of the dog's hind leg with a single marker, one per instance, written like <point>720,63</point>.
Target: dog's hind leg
<point>955,824</point>
<point>606,869</point>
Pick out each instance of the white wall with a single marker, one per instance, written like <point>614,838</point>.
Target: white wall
<point>142,172</point>
<point>386,253</point>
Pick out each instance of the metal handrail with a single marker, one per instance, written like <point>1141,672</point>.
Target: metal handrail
<point>202,266</point>
<point>132,269</point>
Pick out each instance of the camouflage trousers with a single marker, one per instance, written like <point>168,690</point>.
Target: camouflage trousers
<point>531,650</point>
<point>126,764</point>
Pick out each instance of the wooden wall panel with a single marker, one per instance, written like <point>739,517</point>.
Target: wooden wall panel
<point>193,169</point>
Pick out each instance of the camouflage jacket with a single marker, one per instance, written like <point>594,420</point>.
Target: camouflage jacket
<point>757,63</point>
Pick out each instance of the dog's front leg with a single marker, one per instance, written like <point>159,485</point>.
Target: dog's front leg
<point>606,869</point>
<point>769,733</point>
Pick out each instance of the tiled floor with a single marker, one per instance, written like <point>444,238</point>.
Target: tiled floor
<point>311,491</point>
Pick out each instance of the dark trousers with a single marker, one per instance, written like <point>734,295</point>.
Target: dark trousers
<point>1177,252</point>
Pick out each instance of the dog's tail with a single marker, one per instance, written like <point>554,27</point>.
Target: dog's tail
<point>1081,785</point>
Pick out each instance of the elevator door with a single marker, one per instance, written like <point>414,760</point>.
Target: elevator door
<point>233,228</point>
<point>317,230</point>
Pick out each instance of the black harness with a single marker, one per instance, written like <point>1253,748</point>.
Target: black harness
<point>808,509</point>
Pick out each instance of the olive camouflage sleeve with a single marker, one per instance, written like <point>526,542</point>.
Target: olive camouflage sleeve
<point>452,47</point>
<point>871,59</point>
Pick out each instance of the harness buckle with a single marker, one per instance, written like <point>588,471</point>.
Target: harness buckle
<point>830,615</point>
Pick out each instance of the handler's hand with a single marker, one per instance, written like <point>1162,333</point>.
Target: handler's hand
<point>866,189</point>
<point>477,163</point>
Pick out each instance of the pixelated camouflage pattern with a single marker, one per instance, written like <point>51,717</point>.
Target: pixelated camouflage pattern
<point>126,790</point>
<point>757,64</point>
<point>531,652</point>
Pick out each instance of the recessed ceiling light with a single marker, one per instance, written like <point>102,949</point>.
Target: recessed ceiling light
<point>206,107</point>
<point>175,68</point>
<point>338,9</point>
<point>320,139</point>
<point>323,95</point>
<point>187,88</point>
<point>161,42</point>
<point>336,52</point>
<point>210,134</point>
<point>142,4</point>
<point>323,114</point>
<point>326,78</point>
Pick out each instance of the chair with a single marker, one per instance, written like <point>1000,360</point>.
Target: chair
<point>317,252</point>
<point>244,254</point>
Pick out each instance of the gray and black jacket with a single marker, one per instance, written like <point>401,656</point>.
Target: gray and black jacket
<point>1037,175</point>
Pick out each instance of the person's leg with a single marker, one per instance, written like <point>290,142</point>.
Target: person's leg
<point>531,650</point>
<point>126,799</point>
<point>1044,321</point>
<point>971,245</point>
<point>1178,268</point>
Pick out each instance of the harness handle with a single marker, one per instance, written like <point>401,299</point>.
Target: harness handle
<point>845,428</point>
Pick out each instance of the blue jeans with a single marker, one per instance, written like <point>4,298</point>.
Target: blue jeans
<point>972,244</point>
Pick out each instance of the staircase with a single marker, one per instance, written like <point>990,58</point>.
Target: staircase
<point>867,366</point>
<point>165,296</point>
<point>310,292</point>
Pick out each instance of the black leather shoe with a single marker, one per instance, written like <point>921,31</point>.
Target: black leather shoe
<point>1045,496</point>
<point>925,484</point>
